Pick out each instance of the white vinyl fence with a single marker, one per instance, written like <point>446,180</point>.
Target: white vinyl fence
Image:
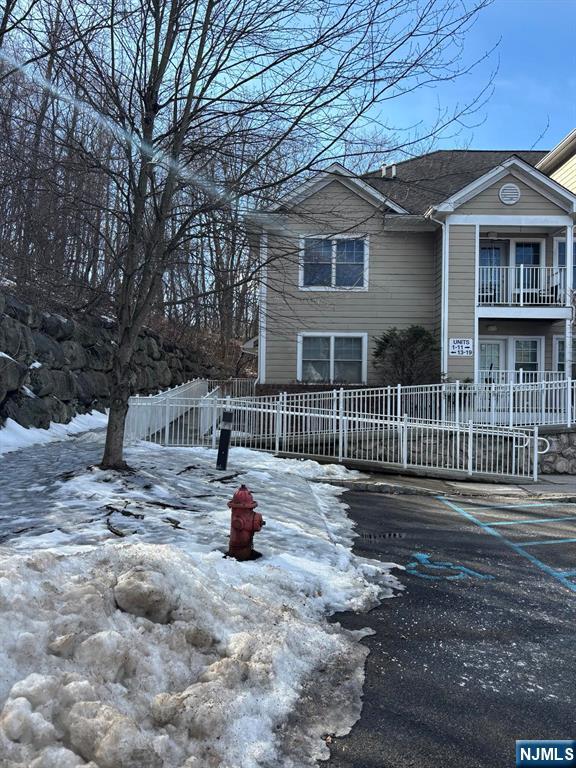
<point>519,376</point>
<point>157,417</point>
<point>542,403</point>
<point>153,419</point>
<point>340,425</point>
<point>232,387</point>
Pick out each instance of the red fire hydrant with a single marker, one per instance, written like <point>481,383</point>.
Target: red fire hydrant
<point>244,524</point>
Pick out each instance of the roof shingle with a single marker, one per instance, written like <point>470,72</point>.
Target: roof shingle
<point>429,179</point>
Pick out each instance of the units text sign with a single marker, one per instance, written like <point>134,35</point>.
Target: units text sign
<point>461,347</point>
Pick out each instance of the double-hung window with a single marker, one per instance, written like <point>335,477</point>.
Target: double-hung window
<point>560,354</point>
<point>332,358</point>
<point>561,258</point>
<point>528,257</point>
<point>527,355</point>
<point>338,263</point>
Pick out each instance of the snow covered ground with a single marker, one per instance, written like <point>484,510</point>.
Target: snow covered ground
<point>13,437</point>
<point>127,639</point>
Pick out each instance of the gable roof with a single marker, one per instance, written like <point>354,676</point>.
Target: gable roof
<point>336,172</point>
<point>425,181</point>
<point>518,168</point>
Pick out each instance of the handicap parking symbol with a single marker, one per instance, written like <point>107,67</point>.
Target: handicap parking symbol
<point>421,565</point>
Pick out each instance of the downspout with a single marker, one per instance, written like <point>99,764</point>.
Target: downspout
<point>444,300</point>
<point>263,259</point>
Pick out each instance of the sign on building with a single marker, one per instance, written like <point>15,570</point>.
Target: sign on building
<point>461,348</point>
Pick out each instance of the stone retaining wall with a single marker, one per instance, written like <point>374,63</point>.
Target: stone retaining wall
<point>53,367</point>
<point>561,458</point>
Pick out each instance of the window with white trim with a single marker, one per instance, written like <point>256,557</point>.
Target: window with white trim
<point>332,358</point>
<point>561,258</point>
<point>560,354</point>
<point>337,263</point>
<point>527,253</point>
<point>526,354</point>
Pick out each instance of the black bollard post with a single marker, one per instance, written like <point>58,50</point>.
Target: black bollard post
<point>224,443</point>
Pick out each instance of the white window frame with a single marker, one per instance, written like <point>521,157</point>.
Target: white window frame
<point>332,335</point>
<point>509,359</point>
<point>555,353</point>
<point>541,350</point>
<point>334,238</point>
<point>557,240</point>
<point>514,242</point>
<point>502,341</point>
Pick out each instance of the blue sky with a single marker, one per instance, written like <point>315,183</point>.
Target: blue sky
<point>534,100</point>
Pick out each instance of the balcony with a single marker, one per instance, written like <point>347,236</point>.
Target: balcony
<point>522,286</point>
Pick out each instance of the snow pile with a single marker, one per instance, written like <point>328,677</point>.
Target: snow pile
<point>116,652</point>
<point>13,436</point>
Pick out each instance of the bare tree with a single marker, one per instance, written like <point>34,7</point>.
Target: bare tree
<point>196,98</point>
<point>14,14</point>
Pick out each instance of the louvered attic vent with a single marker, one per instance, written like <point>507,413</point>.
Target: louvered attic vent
<point>509,194</point>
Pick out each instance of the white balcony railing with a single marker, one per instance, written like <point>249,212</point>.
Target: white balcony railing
<point>522,286</point>
<point>517,376</point>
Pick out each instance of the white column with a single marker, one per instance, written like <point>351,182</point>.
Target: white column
<point>444,301</point>
<point>568,350</point>
<point>262,309</point>
<point>570,298</point>
<point>568,372</point>
<point>569,263</point>
<point>476,294</point>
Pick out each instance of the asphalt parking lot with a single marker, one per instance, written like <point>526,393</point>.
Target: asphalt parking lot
<point>479,649</point>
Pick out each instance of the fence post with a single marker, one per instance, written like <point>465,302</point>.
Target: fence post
<point>457,414</point>
<point>284,422</point>
<point>166,420</point>
<point>542,400</point>
<point>443,401</point>
<point>405,441</point>
<point>510,404</point>
<point>340,425</point>
<point>470,446</point>
<point>535,456</point>
<point>398,400</point>
<point>457,389</point>
<point>334,410</point>
<point>214,421</point>
<point>569,401</point>
<point>278,424</point>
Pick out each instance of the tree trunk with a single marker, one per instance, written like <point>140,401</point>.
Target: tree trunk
<point>119,395</point>
<point>114,449</point>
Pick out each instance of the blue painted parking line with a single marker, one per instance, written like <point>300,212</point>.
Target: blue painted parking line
<point>547,541</point>
<point>535,522</point>
<point>486,527</point>
<point>517,506</point>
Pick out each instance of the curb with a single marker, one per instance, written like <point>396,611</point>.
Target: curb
<point>386,488</point>
<point>392,489</point>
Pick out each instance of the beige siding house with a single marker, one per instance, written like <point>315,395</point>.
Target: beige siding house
<point>475,246</point>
